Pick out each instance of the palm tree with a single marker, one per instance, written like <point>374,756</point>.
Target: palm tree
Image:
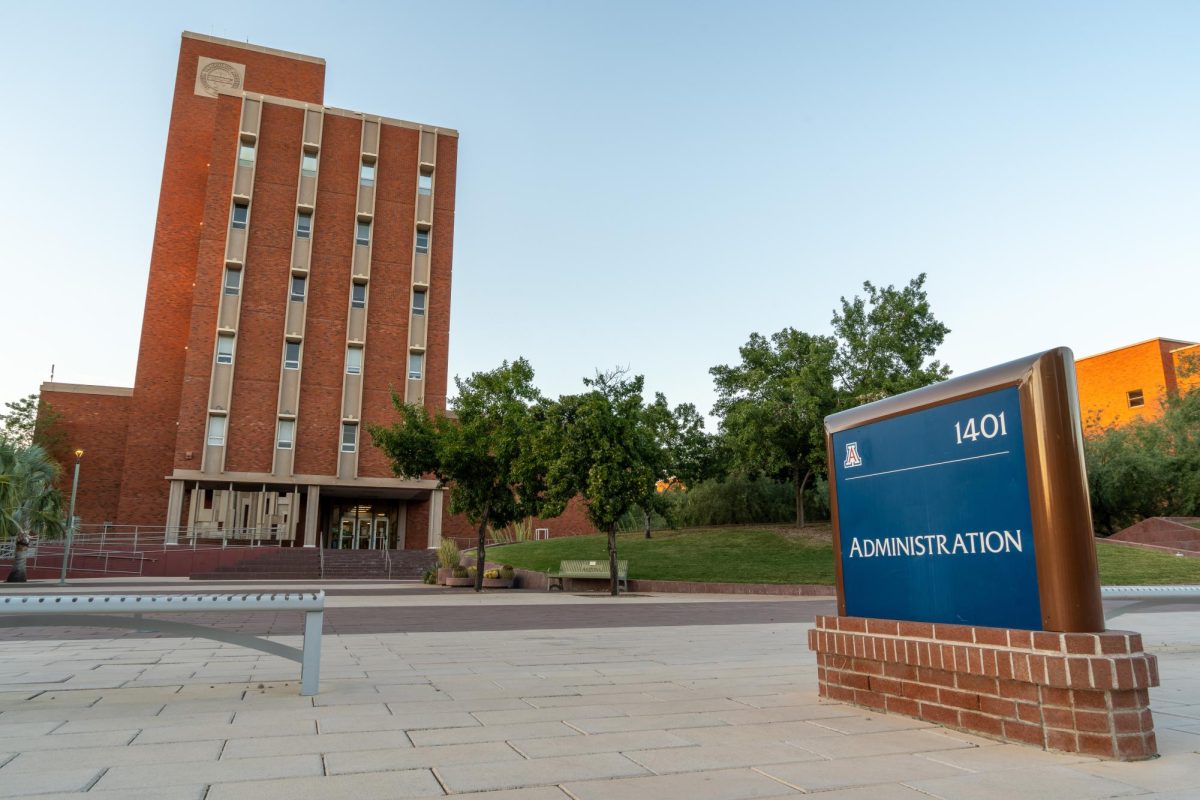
<point>29,502</point>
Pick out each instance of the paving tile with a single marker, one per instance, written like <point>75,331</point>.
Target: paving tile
<point>878,744</point>
<point>1175,773</point>
<point>326,743</point>
<point>994,755</point>
<point>223,771</point>
<point>821,776</point>
<point>718,756</point>
<point>158,793</point>
<point>17,784</point>
<point>536,772</point>
<point>367,786</point>
<point>402,722</point>
<point>871,723</point>
<point>143,722</point>
<point>741,784</point>
<point>98,757</point>
<point>649,722</point>
<point>490,733</point>
<point>64,741</point>
<point>368,759</point>
<point>597,743</point>
<point>192,733</point>
<point>1030,783</point>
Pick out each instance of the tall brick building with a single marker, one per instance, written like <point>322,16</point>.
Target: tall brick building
<point>1131,382</point>
<point>300,274</point>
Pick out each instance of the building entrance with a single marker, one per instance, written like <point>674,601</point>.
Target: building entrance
<point>372,525</point>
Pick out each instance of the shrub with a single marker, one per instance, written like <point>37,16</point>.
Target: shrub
<point>447,554</point>
<point>429,577</point>
<point>492,574</point>
<point>471,570</point>
<point>507,571</point>
<point>459,571</point>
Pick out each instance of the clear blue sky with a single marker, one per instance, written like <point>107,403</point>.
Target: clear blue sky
<point>645,184</point>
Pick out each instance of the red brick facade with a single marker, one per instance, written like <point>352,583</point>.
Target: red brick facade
<point>1074,692</point>
<point>184,199</point>
<point>1106,380</point>
<point>96,423</point>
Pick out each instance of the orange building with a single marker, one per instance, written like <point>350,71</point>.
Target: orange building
<point>1128,383</point>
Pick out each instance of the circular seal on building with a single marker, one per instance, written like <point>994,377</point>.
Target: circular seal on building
<point>218,76</point>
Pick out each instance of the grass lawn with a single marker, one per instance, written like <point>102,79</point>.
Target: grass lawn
<point>782,555</point>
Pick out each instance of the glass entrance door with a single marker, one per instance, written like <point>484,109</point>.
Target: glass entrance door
<point>379,540</point>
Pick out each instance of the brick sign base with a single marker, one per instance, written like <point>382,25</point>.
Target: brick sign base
<point>1074,692</point>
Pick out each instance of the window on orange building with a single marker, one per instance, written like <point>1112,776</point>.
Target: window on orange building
<point>1135,398</point>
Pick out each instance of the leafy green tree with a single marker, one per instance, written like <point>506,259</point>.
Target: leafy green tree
<point>29,502</point>
<point>603,445</point>
<point>1147,468</point>
<point>30,421</point>
<point>773,406</point>
<point>483,452</point>
<point>884,342</point>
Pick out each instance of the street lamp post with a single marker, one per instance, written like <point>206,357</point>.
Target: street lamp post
<point>62,580</point>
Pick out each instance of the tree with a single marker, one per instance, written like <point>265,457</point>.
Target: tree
<point>1147,468</point>
<point>602,445</point>
<point>773,406</point>
<point>29,502</point>
<point>884,341</point>
<point>483,453</point>
<point>30,421</point>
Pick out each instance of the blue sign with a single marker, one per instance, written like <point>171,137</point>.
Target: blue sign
<point>934,516</point>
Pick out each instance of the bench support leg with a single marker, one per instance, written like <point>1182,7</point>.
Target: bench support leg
<point>310,666</point>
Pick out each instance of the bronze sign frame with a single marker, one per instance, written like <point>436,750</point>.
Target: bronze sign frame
<point>1068,574</point>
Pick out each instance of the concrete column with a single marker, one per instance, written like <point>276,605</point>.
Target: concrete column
<point>435,517</point>
<point>293,512</point>
<point>312,522</point>
<point>174,511</point>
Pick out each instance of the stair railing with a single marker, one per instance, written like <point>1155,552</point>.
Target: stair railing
<point>321,551</point>
<point>387,559</point>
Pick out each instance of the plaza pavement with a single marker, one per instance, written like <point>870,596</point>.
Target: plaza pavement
<point>427,692</point>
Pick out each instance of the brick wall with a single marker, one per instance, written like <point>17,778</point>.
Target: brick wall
<point>1075,692</point>
<point>1104,382</point>
<point>572,522</point>
<point>96,424</point>
<point>166,323</point>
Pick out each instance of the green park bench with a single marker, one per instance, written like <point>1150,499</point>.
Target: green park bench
<point>587,569</point>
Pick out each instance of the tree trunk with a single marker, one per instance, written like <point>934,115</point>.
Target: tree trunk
<point>646,518</point>
<point>614,587</point>
<point>800,484</point>
<point>20,554</point>
<point>481,551</point>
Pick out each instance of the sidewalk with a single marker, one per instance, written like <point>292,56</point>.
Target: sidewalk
<point>674,708</point>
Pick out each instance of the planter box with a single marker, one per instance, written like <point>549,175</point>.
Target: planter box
<point>460,581</point>
<point>497,583</point>
<point>443,574</point>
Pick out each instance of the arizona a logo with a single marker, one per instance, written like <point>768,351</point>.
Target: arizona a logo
<point>853,459</point>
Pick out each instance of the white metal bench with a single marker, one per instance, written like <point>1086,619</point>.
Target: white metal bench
<point>1147,597</point>
<point>93,610</point>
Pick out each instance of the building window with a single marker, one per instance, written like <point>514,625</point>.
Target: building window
<point>216,429</point>
<point>286,434</point>
<point>291,355</point>
<point>358,295</point>
<point>419,302</point>
<point>241,212</point>
<point>422,241</point>
<point>224,348</point>
<point>233,281</point>
<point>364,233</point>
<point>415,362</point>
<point>425,184</point>
<point>298,282</point>
<point>366,174</point>
<point>1135,398</point>
<point>349,437</point>
<point>303,224</point>
<point>353,360</point>
<point>246,155</point>
<point>308,165</point>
